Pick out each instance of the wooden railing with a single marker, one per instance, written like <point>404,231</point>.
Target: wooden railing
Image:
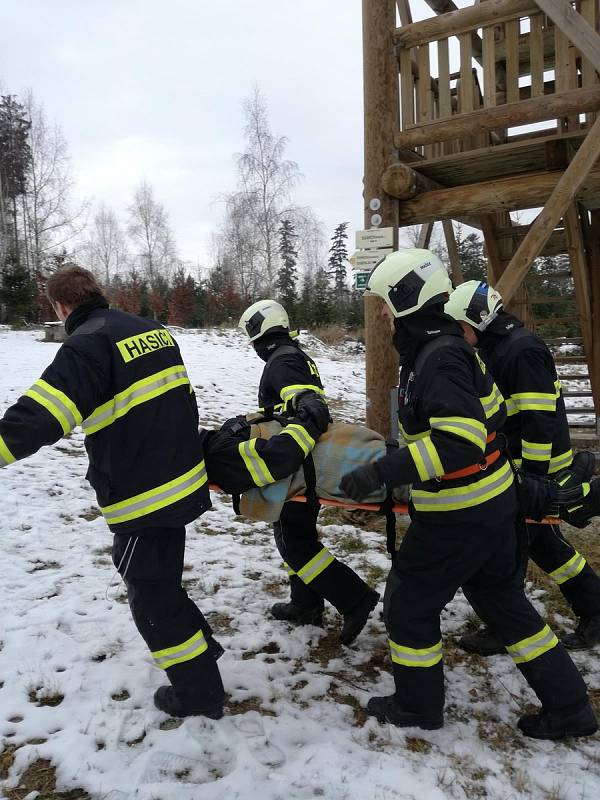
<point>515,67</point>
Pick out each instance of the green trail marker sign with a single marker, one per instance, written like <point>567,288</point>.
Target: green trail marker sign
<point>360,279</point>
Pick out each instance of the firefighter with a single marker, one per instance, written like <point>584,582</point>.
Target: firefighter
<point>291,386</point>
<point>537,431</point>
<point>463,509</point>
<point>123,380</point>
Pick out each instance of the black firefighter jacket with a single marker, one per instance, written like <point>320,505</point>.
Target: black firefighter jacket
<point>522,365</point>
<point>449,410</point>
<point>123,380</point>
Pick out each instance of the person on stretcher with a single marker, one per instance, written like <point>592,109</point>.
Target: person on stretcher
<point>270,460</point>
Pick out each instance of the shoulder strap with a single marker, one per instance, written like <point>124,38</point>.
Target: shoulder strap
<point>502,349</point>
<point>436,344</point>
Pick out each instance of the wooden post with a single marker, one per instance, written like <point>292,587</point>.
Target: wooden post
<point>381,114</point>
<point>594,357</point>
<point>457,276</point>
<point>556,206</point>
<point>581,277</point>
<point>575,27</point>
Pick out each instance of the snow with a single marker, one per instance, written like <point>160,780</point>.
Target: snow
<point>294,727</point>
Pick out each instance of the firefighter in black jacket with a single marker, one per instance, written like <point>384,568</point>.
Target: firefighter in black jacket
<point>537,431</point>
<point>463,509</point>
<point>123,380</point>
<point>291,386</point>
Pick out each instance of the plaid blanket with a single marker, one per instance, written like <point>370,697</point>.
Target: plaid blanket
<point>343,448</point>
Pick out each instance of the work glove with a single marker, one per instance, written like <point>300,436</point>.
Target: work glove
<point>312,409</point>
<point>579,514</point>
<point>361,482</point>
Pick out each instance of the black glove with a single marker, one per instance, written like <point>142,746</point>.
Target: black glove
<point>361,482</point>
<point>312,409</point>
<point>581,513</point>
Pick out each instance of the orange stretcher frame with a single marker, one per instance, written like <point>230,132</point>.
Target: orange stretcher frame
<point>397,508</point>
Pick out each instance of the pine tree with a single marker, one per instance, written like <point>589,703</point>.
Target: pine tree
<point>287,278</point>
<point>321,304</point>
<point>182,302</point>
<point>338,255</point>
<point>17,289</point>
<point>470,252</point>
<point>15,156</point>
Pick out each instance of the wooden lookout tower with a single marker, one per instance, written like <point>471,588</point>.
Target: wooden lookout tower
<point>474,113</point>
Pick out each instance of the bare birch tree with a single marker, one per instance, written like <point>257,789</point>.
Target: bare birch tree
<point>151,234</point>
<point>51,220</point>
<point>266,180</point>
<point>105,247</point>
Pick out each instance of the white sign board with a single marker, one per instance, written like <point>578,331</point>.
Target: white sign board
<point>366,259</point>
<point>374,237</point>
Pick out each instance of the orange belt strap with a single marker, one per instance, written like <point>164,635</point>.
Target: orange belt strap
<point>473,469</point>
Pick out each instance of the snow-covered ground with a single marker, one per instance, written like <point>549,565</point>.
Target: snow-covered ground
<point>77,681</point>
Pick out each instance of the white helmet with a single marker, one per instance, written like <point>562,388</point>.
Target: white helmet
<point>474,302</point>
<point>409,280</point>
<point>263,316</point>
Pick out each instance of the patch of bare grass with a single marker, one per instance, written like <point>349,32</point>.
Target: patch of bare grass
<point>40,777</point>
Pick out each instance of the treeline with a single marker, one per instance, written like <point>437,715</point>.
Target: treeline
<point>265,245</point>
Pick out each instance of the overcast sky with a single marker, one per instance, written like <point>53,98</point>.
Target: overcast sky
<point>153,89</point>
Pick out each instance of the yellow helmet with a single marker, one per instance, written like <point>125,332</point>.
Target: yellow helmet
<point>263,316</point>
<point>474,302</point>
<point>409,279</point>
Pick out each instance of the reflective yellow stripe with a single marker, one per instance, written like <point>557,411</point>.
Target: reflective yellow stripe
<point>157,498</point>
<point>481,363</point>
<point>413,437</point>
<point>316,565</point>
<point>492,402</point>
<point>256,466</point>
<point>416,657</point>
<point>288,569</point>
<point>136,394</point>
<point>558,387</point>
<point>531,401</point>
<point>62,408</point>
<point>301,436</point>
<point>289,392</point>
<point>536,451</point>
<point>192,648</point>
<point>6,457</point>
<point>569,570</point>
<point>473,494</point>
<point>467,428</point>
<point>426,458</point>
<point>561,461</point>
<point>533,647</point>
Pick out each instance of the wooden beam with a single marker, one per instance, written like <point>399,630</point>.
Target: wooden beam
<point>453,256</point>
<point>487,197</point>
<point>403,182</point>
<point>425,235</point>
<point>578,29</point>
<point>381,117</point>
<point>579,270</point>
<point>523,112</point>
<point>404,12</point>
<point>556,206</point>
<point>492,12</point>
<point>446,6</point>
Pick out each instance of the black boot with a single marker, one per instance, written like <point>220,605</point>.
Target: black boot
<point>558,724</point>
<point>484,642</point>
<point>356,619</point>
<point>585,636</point>
<point>295,613</point>
<point>166,700</point>
<point>387,709</point>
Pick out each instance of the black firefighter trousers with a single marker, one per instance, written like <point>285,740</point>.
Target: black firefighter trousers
<point>314,573</point>
<point>432,562</point>
<point>578,582</point>
<point>150,562</point>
